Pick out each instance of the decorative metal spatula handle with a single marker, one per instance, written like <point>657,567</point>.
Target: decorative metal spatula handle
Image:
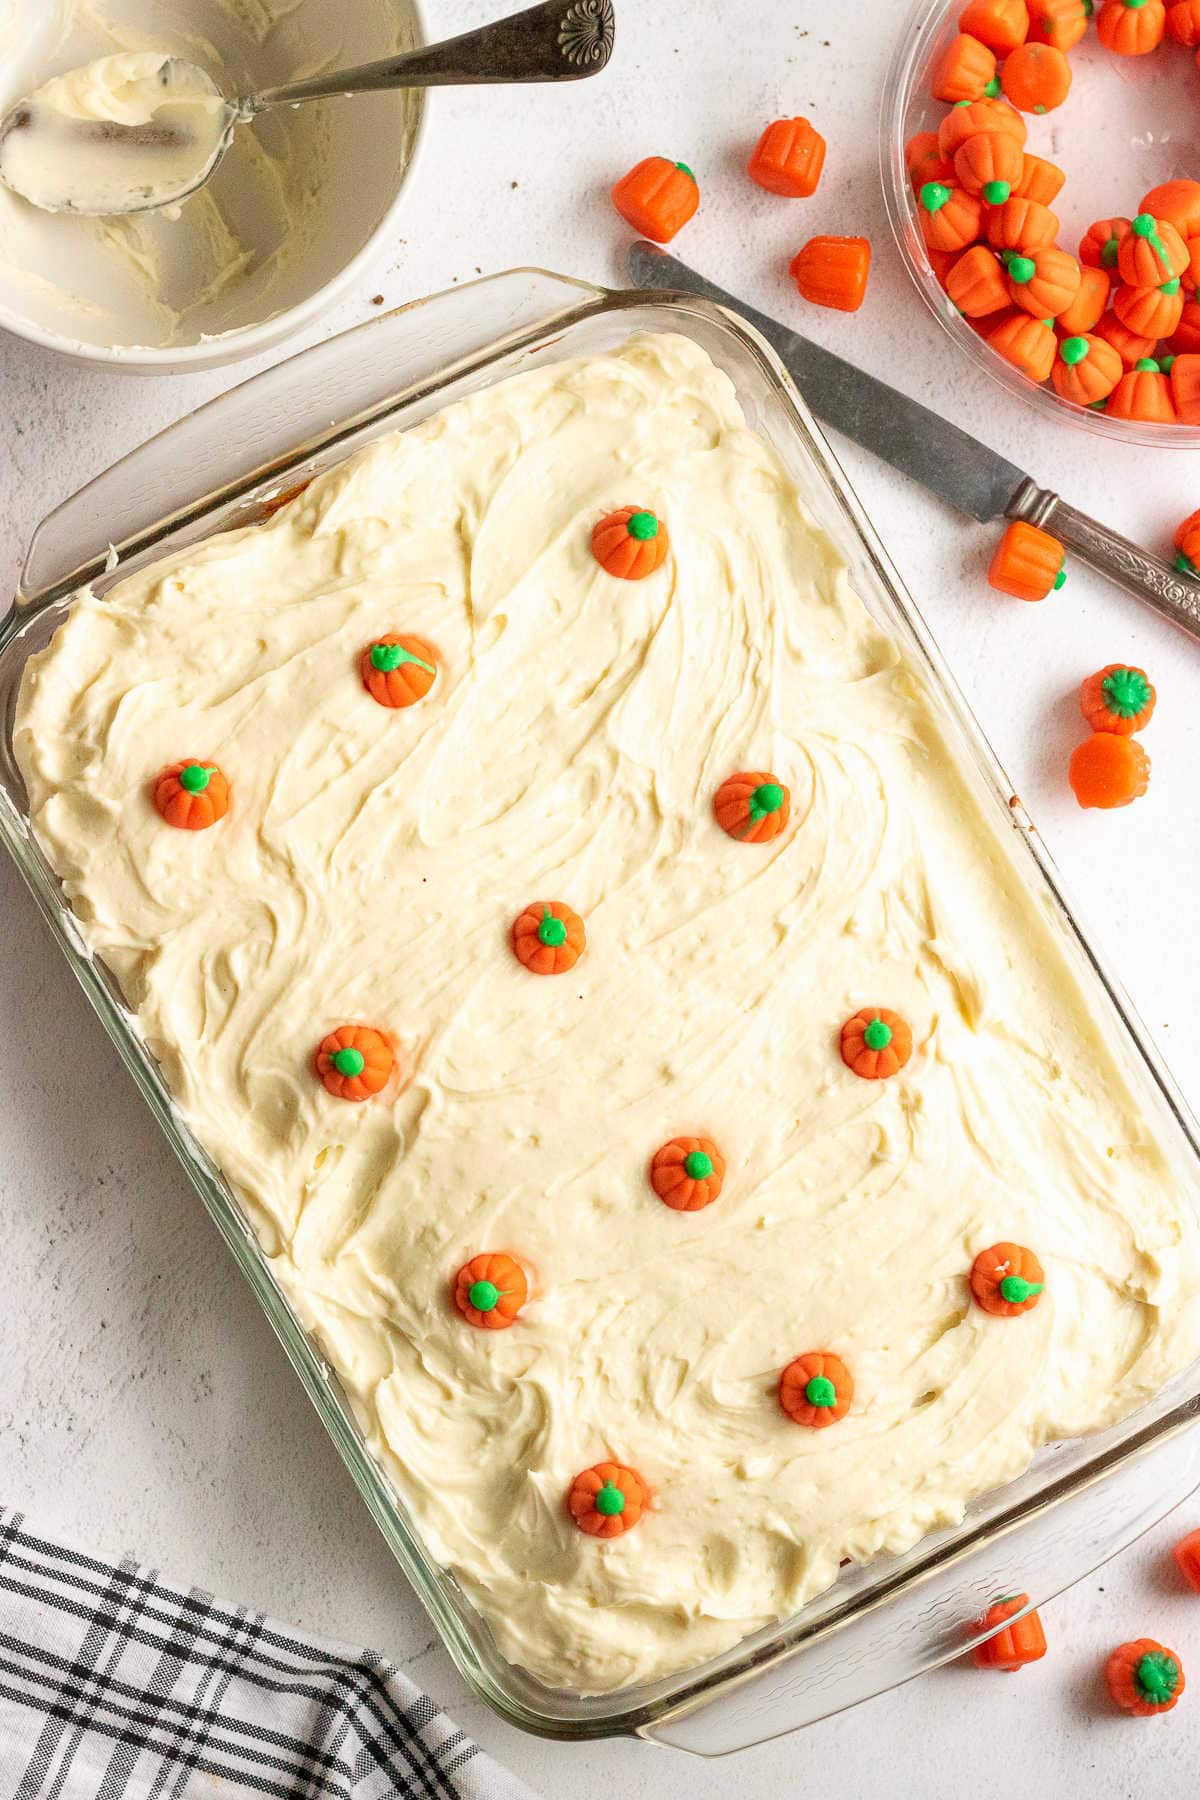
<point>1175,596</point>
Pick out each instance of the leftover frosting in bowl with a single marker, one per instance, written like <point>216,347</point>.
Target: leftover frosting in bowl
<point>848,1054</point>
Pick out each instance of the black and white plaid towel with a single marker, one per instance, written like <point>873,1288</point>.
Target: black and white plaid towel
<point>116,1686</point>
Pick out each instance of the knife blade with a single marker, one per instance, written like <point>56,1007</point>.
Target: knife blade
<point>966,474</point>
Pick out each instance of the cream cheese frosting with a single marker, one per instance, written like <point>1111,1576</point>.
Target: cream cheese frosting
<point>369,870</point>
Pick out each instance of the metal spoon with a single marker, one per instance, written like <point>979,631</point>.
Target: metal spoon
<point>100,167</point>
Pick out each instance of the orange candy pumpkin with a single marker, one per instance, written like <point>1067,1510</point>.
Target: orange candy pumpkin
<point>789,157</point>
<point>833,271</point>
<point>1187,542</point>
<point>1000,24</point>
<point>631,543</point>
<point>607,1500</point>
<point>1150,252</point>
<point>1007,1279</point>
<point>816,1389</point>
<point>688,1173</point>
<point>1043,281</point>
<point>950,218</point>
<point>1087,369</point>
<point>752,806</point>
<point>966,70</point>
<point>490,1290</point>
<point>876,1043</point>
<point>1087,308</point>
<point>1059,22</point>
<point>1027,563</point>
<point>1014,1644</point>
<point>657,197</point>
<point>1118,698</point>
<point>1150,312</point>
<point>1041,180</point>
<point>1036,77</point>
<point>1131,27</point>
<point>1183,24</point>
<point>1130,346</point>
<point>1143,392</point>
<point>924,161</point>
<point>1187,1559</point>
<point>1021,224</point>
<point>548,938</point>
<point>976,284</point>
<point>398,670</point>
<point>972,116</point>
<point>192,794</point>
<point>1108,770</point>
<point>1100,245</point>
<point>990,164</point>
<point>1143,1677</point>
<point>1185,339</point>
<point>354,1062</point>
<point>1185,388</point>
<point>1029,344</point>
<point>1176,201</point>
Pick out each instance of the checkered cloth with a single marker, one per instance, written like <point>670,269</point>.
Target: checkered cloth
<point>116,1686</point>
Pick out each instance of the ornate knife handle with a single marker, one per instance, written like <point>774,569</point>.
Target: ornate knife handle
<point>1175,596</point>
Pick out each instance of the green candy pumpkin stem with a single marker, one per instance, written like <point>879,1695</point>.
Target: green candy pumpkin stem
<point>195,778</point>
<point>820,1391</point>
<point>484,1296</point>
<point>552,932</point>
<point>610,1501</point>
<point>1157,1676</point>
<point>1016,1290</point>
<point>643,526</point>
<point>767,798</point>
<point>697,1166</point>
<point>1127,692</point>
<point>387,658</point>
<point>1146,226</point>
<point>878,1035</point>
<point>349,1062</point>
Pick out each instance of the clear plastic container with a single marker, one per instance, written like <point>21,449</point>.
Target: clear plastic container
<point>1127,124</point>
<point>880,1624</point>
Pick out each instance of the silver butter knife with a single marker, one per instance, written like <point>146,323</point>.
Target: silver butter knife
<point>951,464</point>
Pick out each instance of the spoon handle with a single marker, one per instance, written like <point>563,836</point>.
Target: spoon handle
<point>562,40</point>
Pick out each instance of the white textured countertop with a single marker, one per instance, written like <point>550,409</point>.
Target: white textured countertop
<point>144,1403</point>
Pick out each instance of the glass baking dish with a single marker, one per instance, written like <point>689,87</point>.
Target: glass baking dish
<point>879,1624</point>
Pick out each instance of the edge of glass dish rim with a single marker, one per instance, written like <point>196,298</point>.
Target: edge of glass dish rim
<point>513,1694</point>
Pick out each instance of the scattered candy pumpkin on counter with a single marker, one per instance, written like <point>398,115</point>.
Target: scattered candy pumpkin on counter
<point>354,1062</point>
<point>1187,542</point>
<point>1087,308</point>
<point>398,670</point>
<point>1027,562</point>
<point>192,794</point>
<point>657,197</point>
<point>1036,77</point>
<point>1131,27</point>
<point>752,806</point>
<point>789,157</point>
<point>1041,180</point>
<point>688,1173</point>
<point>548,938</point>
<point>1144,1677</point>
<point>607,1500</point>
<point>1187,1559</point>
<point>1014,1644</point>
<point>833,271</point>
<point>1028,344</point>
<point>1020,225</point>
<point>1000,24</point>
<point>1059,22</point>
<point>1087,369</point>
<point>975,283</point>
<point>490,1290</point>
<point>966,70</point>
<point>1108,770</point>
<point>876,1043</point>
<point>1117,698</point>
<point>989,165</point>
<point>816,1389</point>
<point>1042,281</point>
<point>631,543</point>
<point>1006,1280</point>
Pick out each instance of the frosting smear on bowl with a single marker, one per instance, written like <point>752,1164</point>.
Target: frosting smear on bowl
<point>366,879</point>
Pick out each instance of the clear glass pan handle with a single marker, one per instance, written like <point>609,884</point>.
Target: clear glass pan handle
<point>320,397</point>
<point>935,1619</point>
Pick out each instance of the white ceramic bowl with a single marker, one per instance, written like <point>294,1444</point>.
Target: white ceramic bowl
<point>291,220</point>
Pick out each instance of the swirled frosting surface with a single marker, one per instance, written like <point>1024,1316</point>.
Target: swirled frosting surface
<point>369,870</point>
